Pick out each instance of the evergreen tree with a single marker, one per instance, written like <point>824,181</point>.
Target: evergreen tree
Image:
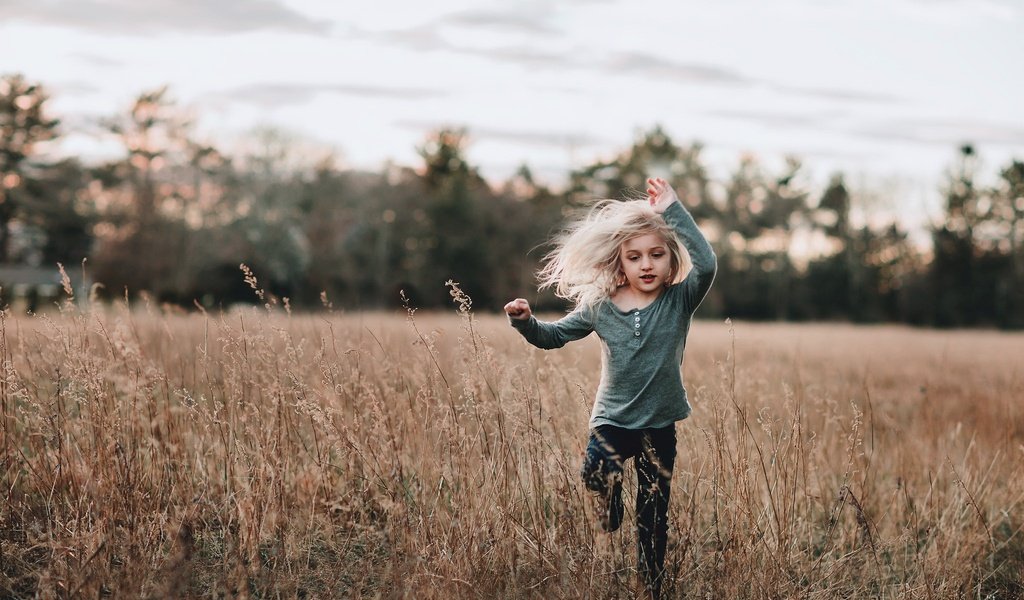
<point>24,125</point>
<point>456,200</point>
<point>1007,213</point>
<point>952,273</point>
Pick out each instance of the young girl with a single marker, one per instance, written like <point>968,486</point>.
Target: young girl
<point>624,269</point>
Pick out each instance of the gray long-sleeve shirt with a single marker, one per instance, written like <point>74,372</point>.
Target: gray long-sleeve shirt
<point>641,349</point>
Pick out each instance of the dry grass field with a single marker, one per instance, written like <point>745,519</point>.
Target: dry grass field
<point>260,454</point>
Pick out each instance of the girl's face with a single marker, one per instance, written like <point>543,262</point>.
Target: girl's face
<point>646,263</point>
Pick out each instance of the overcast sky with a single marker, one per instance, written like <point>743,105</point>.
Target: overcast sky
<point>884,90</point>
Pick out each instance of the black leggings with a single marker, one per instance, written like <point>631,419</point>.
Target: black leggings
<point>655,454</point>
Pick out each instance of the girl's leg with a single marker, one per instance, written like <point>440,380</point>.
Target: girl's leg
<point>602,470</point>
<point>654,465</point>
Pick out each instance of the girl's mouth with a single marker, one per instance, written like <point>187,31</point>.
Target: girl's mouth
<point>647,278</point>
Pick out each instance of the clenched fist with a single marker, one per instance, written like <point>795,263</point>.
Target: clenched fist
<point>519,309</point>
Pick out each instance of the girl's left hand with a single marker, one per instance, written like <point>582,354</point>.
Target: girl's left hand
<point>660,194</point>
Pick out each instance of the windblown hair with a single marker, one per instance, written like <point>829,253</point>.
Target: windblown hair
<point>584,266</point>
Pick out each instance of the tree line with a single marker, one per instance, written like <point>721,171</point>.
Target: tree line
<point>175,217</point>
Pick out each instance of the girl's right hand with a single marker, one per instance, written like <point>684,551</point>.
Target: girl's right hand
<point>660,194</point>
<point>519,309</point>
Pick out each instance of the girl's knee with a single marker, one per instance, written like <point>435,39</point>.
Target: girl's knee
<point>602,463</point>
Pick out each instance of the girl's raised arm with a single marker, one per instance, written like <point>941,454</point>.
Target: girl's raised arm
<point>663,200</point>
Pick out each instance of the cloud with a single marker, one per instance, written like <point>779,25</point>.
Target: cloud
<point>647,64</point>
<point>507,21</point>
<point>540,138</point>
<point>278,94</point>
<point>132,17</point>
<point>429,37</point>
<point>515,136</point>
<point>769,119</point>
<point>525,56</point>
<point>656,67</point>
<point>75,88</point>
<point>829,153</point>
<point>842,95</point>
<point>421,38</point>
<point>96,60</point>
<point>945,132</point>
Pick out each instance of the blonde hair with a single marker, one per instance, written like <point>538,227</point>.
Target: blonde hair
<point>584,266</point>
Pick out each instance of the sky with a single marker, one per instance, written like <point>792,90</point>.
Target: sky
<point>884,91</point>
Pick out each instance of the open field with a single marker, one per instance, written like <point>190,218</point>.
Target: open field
<point>266,455</point>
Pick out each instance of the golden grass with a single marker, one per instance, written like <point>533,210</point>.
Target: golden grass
<point>265,455</point>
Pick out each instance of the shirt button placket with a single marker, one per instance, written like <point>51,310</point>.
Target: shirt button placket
<point>636,325</point>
